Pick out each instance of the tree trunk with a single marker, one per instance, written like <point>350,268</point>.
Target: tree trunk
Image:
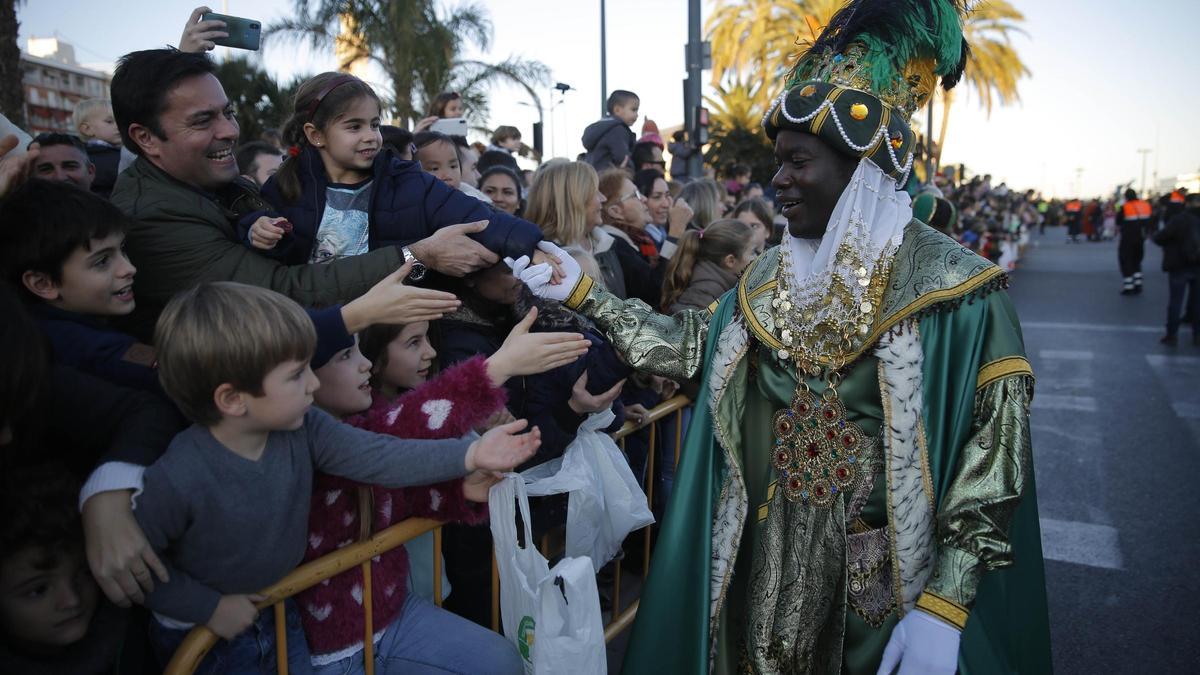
<point>947,101</point>
<point>12,93</point>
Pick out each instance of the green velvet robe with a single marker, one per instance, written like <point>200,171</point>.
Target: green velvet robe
<point>975,471</point>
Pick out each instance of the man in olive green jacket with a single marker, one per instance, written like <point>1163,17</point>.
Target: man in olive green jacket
<point>185,197</point>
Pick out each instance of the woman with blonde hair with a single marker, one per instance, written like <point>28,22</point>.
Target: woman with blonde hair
<point>565,201</point>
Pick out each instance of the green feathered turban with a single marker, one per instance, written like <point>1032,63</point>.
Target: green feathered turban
<point>860,81</point>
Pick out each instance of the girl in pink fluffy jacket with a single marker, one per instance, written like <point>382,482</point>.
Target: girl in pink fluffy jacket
<point>411,634</point>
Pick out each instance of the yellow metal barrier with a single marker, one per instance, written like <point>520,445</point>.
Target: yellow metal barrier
<point>200,640</point>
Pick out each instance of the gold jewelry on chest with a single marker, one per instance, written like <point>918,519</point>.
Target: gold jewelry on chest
<point>817,448</point>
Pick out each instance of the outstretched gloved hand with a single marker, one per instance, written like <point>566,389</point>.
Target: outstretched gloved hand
<point>539,277</point>
<point>921,645</point>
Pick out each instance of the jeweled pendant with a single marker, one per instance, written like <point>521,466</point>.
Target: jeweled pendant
<point>815,447</point>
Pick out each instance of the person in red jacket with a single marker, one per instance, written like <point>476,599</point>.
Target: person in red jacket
<point>409,631</point>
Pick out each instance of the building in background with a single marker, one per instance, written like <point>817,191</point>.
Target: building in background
<point>54,82</point>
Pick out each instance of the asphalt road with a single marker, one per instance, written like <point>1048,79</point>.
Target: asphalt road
<point>1116,441</point>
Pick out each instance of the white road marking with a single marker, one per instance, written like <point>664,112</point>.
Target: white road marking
<point>1095,327</point>
<point>1081,543</point>
<point>1169,361</point>
<point>1064,402</point>
<point>1066,354</point>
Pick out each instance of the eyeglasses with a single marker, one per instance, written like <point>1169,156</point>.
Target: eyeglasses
<point>636,193</point>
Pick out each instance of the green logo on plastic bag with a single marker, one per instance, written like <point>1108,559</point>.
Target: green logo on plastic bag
<point>525,638</point>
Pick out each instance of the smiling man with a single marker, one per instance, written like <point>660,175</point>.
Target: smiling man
<point>64,158</point>
<point>856,490</point>
<point>185,197</point>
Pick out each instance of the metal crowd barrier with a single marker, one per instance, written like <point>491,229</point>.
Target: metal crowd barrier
<point>200,640</point>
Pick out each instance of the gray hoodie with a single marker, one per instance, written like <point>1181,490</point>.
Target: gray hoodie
<point>608,143</point>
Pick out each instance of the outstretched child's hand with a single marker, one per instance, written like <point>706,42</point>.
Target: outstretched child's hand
<point>233,615</point>
<point>267,231</point>
<point>502,448</point>
<point>477,485</point>
<point>525,353</point>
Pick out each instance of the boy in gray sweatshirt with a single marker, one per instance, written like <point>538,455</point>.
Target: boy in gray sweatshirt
<point>227,506</point>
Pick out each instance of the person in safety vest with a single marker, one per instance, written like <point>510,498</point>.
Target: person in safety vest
<point>1074,210</point>
<point>1133,219</point>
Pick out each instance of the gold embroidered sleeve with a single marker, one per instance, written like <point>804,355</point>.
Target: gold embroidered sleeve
<point>670,346</point>
<point>975,513</point>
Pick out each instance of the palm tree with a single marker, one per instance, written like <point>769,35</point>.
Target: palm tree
<point>12,92</point>
<point>994,68</point>
<point>736,105</point>
<point>757,41</point>
<point>418,45</point>
<point>259,101</point>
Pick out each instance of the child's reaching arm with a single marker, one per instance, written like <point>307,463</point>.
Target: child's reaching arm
<point>468,394</point>
<point>367,457</point>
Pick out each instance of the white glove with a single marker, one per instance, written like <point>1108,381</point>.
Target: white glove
<point>538,277</point>
<point>921,645</point>
<point>532,276</point>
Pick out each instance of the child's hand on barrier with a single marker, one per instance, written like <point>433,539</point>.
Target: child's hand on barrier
<point>502,448</point>
<point>234,614</point>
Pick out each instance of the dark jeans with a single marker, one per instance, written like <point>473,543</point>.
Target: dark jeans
<point>1131,250</point>
<point>1189,280</point>
<point>250,653</point>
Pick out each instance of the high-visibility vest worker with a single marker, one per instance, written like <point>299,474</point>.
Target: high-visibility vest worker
<point>1136,210</point>
<point>1177,197</point>
<point>1074,206</point>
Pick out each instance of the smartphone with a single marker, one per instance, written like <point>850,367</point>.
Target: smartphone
<point>451,126</point>
<point>243,33</point>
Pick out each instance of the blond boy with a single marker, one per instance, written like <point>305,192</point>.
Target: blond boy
<point>227,505</point>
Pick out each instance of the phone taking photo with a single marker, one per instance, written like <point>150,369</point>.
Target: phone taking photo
<point>450,126</point>
<point>243,33</point>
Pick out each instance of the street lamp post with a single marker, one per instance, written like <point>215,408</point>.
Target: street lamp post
<point>603,64</point>
<point>1143,152</point>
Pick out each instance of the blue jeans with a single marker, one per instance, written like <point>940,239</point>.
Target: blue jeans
<point>427,640</point>
<point>251,652</point>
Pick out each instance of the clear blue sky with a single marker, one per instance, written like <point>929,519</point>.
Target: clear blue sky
<point>1105,80</point>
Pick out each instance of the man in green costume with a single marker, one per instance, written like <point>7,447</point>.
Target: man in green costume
<point>856,490</point>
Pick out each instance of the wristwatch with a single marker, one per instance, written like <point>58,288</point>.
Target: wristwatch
<point>418,268</point>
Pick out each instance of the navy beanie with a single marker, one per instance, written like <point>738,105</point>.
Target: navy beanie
<point>331,334</point>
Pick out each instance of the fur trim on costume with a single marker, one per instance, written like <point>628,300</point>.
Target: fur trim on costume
<point>732,504</point>
<point>910,510</point>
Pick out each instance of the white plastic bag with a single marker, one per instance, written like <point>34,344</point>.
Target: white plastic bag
<point>521,570</point>
<point>570,637</point>
<point>605,503</point>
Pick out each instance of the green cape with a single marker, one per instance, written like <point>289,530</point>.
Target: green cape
<point>968,341</point>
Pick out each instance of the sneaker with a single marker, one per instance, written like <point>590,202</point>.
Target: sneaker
<point>1127,291</point>
<point>1171,340</point>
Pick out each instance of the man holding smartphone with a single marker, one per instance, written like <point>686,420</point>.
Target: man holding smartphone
<point>184,195</point>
